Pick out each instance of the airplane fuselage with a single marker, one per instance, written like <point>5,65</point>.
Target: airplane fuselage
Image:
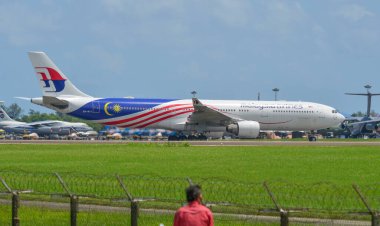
<point>172,114</point>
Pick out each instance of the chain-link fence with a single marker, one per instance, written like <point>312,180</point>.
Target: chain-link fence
<point>68,198</point>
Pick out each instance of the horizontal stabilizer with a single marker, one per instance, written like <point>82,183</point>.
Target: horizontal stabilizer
<point>24,98</point>
<point>55,102</point>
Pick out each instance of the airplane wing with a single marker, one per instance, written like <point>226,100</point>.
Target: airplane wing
<point>365,122</point>
<point>47,123</point>
<point>353,119</point>
<point>208,115</point>
<point>366,126</point>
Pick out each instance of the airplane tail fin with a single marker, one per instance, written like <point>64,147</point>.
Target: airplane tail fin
<point>4,116</point>
<point>52,81</point>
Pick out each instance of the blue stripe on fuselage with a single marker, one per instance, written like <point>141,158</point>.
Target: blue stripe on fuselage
<point>115,107</point>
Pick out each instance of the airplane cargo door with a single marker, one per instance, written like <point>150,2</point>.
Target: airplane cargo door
<point>95,107</point>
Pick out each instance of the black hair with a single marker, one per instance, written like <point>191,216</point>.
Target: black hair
<point>193,192</point>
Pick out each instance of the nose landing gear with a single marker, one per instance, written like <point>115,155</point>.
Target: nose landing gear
<point>312,138</point>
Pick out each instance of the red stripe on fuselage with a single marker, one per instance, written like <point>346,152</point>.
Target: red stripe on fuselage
<point>163,118</point>
<point>141,115</point>
<point>154,116</point>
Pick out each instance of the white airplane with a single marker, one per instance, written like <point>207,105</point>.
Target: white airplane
<point>242,118</point>
<point>49,127</point>
<point>46,127</point>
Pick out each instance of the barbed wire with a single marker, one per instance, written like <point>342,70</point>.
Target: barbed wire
<point>318,197</point>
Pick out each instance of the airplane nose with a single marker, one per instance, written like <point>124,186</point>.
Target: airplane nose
<point>341,117</point>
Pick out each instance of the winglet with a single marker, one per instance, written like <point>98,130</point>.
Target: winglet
<point>198,106</point>
<point>196,101</point>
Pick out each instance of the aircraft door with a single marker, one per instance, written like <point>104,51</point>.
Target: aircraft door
<point>95,107</point>
<point>264,114</point>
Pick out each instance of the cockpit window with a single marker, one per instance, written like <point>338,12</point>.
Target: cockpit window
<point>334,111</point>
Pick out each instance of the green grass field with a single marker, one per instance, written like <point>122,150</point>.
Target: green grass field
<point>313,177</point>
<point>31,216</point>
<point>338,165</point>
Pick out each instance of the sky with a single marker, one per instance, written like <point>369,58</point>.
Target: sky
<point>223,49</point>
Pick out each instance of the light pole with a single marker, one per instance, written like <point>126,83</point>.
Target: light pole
<point>275,90</point>
<point>368,87</point>
<point>369,98</point>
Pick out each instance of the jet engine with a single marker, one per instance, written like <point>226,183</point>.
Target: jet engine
<point>244,129</point>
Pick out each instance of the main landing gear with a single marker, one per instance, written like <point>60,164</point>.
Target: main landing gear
<point>312,136</point>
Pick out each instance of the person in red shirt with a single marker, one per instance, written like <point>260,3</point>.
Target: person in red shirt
<point>194,213</point>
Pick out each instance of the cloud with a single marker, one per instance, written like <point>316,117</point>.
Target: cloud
<point>354,12</point>
<point>142,8</point>
<point>193,71</point>
<point>232,13</point>
<point>159,21</point>
<point>320,37</point>
<point>22,25</point>
<point>279,17</point>
<point>115,5</point>
<point>107,59</point>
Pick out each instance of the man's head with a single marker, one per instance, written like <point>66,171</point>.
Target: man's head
<point>194,192</point>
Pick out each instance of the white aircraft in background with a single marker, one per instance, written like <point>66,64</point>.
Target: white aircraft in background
<point>42,128</point>
<point>242,118</point>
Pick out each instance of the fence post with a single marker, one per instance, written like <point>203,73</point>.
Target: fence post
<point>284,215</point>
<point>74,202</point>
<point>15,203</point>
<point>134,213</point>
<point>375,220</point>
<point>15,206</point>
<point>189,181</point>
<point>284,218</point>
<point>134,203</point>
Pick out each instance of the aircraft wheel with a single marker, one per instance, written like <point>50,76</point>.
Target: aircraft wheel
<point>202,137</point>
<point>173,138</point>
<point>182,137</point>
